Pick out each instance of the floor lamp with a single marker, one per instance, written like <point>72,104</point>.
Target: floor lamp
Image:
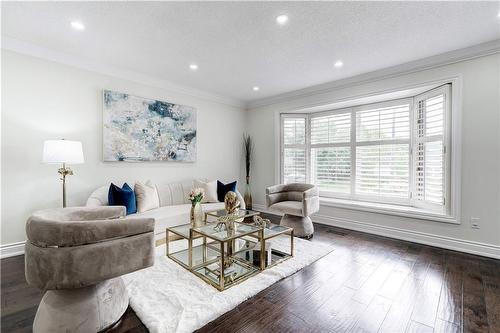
<point>63,152</point>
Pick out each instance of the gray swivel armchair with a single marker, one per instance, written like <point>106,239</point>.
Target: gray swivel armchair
<point>297,201</point>
<point>78,255</point>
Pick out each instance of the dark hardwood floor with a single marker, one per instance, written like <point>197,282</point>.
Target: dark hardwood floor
<point>368,284</point>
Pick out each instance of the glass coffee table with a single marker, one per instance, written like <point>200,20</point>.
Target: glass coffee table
<point>224,258</point>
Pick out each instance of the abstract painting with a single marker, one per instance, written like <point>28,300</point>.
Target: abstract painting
<point>141,129</point>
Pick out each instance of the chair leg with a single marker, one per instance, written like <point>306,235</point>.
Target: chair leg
<point>302,225</point>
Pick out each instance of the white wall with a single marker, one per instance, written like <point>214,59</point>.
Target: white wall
<point>46,100</point>
<point>480,179</point>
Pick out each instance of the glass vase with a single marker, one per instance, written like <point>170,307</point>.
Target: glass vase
<point>196,215</point>
<point>248,195</point>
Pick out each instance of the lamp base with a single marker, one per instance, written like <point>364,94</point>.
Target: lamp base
<point>64,171</point>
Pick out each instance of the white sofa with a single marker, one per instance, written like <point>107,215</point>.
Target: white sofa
<point>174,205</point>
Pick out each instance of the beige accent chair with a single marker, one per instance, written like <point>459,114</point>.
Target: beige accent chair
<point>78,255</point>
<point>297,201</point>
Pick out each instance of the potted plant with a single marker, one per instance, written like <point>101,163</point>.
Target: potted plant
<point>248,152</point>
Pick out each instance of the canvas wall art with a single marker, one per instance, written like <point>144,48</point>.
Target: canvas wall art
<point>141,129</point>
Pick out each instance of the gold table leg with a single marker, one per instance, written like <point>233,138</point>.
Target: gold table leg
<point>204,249</point>
<point>262,250</point>
<point>166,243</point>
<point>190,249</point>
<point>221,276</point>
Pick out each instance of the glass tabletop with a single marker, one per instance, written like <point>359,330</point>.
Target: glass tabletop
<point>272,230</point>
<point>209,229</point>
<point>181,230</point>
<point>240,230</point>
<point>240,213</point>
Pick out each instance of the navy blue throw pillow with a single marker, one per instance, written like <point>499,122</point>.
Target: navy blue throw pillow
<point>222,189</point>
<point>124,196</point>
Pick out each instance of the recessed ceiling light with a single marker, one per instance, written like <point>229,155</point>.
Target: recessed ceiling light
<point>193,67</point>
<point>77,25</point>
<point>498,15</point>
<point>338,64</point>
<point>256,88</point>
<point>281,19</point>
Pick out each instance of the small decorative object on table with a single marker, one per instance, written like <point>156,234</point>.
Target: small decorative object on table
<point>225,223</point>
<point>195,196</point>
<point>231,202</point>
<point>260,222</point>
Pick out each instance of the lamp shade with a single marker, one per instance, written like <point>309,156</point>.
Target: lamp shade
<point>62,151</point>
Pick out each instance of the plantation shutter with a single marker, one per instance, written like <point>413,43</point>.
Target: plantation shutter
<point>294,149</point>
<point>383,150</point>
<point>430,147</point>
<point>331,152</point>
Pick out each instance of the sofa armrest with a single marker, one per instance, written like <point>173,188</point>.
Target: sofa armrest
<point>310,206</point>
<point>312,192</point>
<point>49,227</point>
<point>275,189</point>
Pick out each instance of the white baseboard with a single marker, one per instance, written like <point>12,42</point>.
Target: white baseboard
<point>10,250</point>
<point>461,245</point>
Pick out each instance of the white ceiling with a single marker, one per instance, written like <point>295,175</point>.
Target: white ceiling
<point>238,45</point>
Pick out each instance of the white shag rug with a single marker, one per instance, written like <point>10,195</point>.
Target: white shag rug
<point>168,298</point>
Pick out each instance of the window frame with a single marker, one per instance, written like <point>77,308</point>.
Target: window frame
<point>283,146</point>
<point>449,206</point>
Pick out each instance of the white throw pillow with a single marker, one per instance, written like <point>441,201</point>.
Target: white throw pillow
<point>146,196</point>
<point>210,189</point>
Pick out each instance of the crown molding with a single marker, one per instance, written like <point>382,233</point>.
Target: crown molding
<point>36,51</point>
<point>439,60</point>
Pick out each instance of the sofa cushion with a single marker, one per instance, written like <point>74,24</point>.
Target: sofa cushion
<point>222,189</point>
<point>174,193</point>
<point>123,196</point>
<point>146,196</point>
<point>210,189</point>
<point>288,207</point>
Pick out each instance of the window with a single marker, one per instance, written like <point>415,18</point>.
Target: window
<point>389,152</point>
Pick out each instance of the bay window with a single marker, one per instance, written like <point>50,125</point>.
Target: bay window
<point>392,152</point>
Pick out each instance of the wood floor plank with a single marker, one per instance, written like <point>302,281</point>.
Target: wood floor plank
<point>427,301</point>
<point>399,315</point>
<point>443,326</point>
<point>371,319</point>
<point>391,286</point>
<point>372,285</point>
<point>475,315</point>
<point>492,301</point>
<point>342,312</point>
<point>416,327</point>
<point>450,303</point>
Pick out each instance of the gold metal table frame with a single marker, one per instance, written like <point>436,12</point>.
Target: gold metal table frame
<point>217,249</point>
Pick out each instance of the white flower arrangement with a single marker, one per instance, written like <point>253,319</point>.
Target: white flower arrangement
<point>196,195</point>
